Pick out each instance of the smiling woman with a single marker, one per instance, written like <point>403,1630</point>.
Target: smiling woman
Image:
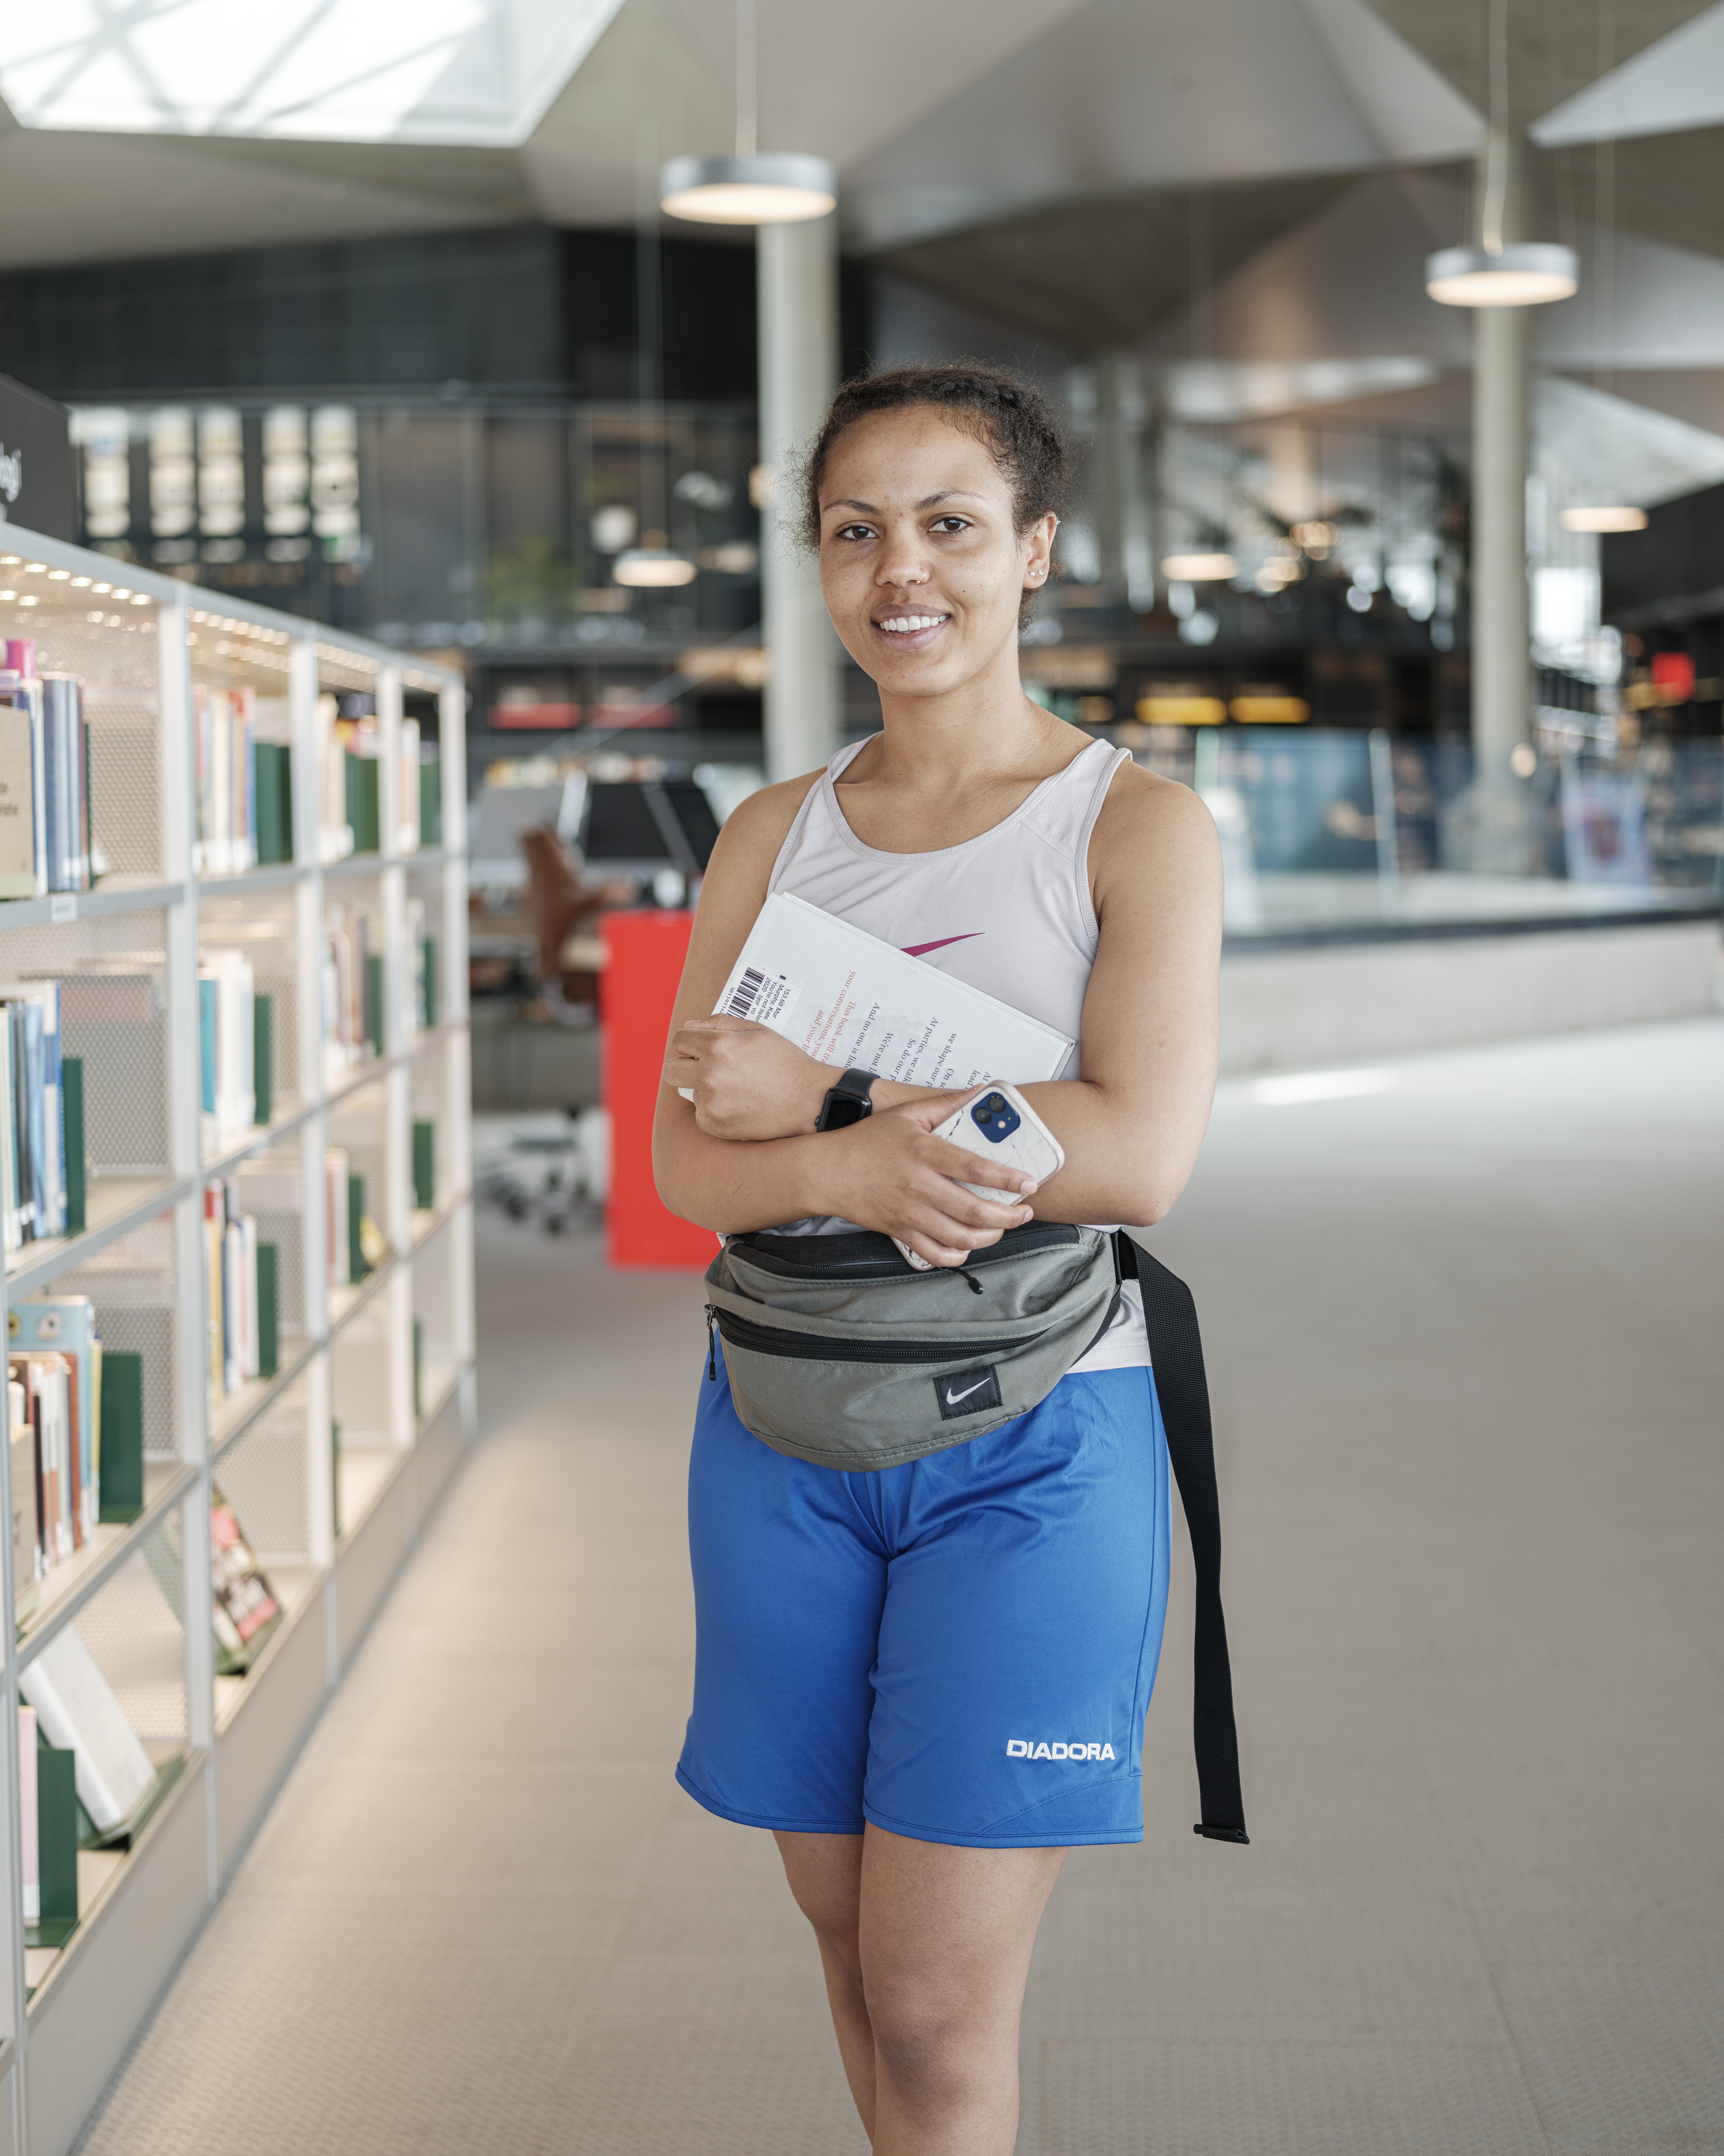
<point>873,1646</point>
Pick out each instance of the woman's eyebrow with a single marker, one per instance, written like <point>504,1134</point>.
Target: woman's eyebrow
<point>928,501</point>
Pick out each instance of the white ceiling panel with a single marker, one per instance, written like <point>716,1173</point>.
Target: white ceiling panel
<point>1123,94</point>
<point>1415,115</point>
<point>441,71</point>
<point>95,197</point>
<point>839,80</point>
<point>1676,84</point>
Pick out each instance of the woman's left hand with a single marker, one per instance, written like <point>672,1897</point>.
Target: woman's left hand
<point>748,1081</point>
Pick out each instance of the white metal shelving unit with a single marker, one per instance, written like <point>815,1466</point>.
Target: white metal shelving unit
<point>332,1462</point>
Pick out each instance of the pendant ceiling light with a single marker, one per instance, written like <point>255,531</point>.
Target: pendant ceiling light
<point>1521,273</point>
<point>755,187</point>
<point>1199,568</point>
<point>1604,516</point>
<point>1528,275</point>
<point>649,568</point>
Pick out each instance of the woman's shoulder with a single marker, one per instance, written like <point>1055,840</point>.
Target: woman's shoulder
<point>758,827</point>
<point>1150,825</point>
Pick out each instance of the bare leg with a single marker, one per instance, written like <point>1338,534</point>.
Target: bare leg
<point>926,1950</point>
<point>825,1872</point>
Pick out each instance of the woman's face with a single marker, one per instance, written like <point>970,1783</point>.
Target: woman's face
<point>920,565</point>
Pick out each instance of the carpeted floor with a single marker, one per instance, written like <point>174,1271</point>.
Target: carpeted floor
<point>1464,1337</point>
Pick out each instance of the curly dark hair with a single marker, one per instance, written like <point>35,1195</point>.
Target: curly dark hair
<point>1015,422</point>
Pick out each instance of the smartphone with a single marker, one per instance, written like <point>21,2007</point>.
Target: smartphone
<point>999,1124</point>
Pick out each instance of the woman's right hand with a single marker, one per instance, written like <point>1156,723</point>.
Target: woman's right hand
<point>889,1173</point>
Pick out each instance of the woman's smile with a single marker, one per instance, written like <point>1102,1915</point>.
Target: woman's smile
<point>910,629</point>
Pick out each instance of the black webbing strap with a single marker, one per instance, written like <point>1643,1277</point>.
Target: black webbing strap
<point>1176,1354</point>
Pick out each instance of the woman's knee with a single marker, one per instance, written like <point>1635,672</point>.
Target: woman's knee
<point>930,2042</point>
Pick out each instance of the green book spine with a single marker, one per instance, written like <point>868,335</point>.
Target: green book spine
<point>425,1166</point>
<point>374,1004</point>
<point>263,1058</point>
<point>275,803</point>
<point>418,1355</point>
<point>72,1110</point>
<point>57,1833</point>
<point>356,1266</point>
<point>361,776</point>
<point>122,1438</point>
<point>266,808</point>
<point>269,1310</point>
<point>430,804</point>
<point>430,1010</point>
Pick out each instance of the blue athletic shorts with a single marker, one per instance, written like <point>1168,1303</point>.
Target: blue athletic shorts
<point>960,1649</point>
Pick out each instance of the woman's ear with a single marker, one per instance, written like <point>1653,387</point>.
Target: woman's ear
<point>1039,568</point>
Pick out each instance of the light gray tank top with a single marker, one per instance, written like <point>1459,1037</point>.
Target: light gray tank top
<point>1009,911</point>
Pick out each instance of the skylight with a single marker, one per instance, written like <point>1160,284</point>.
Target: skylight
<point>463,72</point>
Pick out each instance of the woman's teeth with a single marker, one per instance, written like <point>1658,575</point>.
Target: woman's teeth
<point>906,624</point>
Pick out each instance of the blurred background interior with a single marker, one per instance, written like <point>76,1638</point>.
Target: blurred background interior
<point>1393,334</point>
<point>419,354</point>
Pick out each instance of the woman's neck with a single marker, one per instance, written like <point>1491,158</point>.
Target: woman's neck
<point>984,731</point>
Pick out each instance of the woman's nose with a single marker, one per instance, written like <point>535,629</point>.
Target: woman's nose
<point>902,562</point>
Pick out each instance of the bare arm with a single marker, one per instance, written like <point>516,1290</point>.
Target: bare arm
<point>745,1154</point>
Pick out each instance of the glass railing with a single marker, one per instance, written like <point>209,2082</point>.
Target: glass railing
<point>1330,829</point>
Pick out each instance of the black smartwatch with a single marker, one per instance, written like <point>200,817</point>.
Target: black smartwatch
<point>848,1102</point>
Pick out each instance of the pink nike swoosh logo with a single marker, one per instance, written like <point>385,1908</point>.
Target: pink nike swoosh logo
<point>919,949</point>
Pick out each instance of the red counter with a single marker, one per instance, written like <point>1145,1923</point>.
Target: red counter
<point>644,957</point>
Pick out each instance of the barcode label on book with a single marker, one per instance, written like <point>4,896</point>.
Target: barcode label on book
<point>767,998</point>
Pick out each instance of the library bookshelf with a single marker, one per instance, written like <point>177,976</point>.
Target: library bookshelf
<point>328,1442</point>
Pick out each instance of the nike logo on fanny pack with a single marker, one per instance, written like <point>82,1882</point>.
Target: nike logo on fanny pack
<point>967,1392</point>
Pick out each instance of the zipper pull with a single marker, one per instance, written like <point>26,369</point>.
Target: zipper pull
<point>712,1365</point>
<point>971,1281</point>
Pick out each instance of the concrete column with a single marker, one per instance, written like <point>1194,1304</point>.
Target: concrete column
<point>1502,426</point>
<point>1501,462</point>
<point>1502,624</point>
<point>1120,493</point>
<point>797,286</point>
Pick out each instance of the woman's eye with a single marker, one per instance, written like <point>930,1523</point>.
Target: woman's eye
<point>951,524</point>
<point>855,531</point>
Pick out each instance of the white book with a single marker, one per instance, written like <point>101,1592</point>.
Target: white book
<point>846,998</point>
<point>80,1713</point>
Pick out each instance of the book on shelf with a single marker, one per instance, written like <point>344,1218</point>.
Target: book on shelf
<point>65,1325</point>
<point>363,769</point>
<point>335,834</point>
<point>273,764</point>
<point>430,797</point>
<point>222,736</point>
<point>30,1848</point>
<point>56,1837</point>
<point>44,778</point>
<point>33,1138</point>
<point>244,1606</point>
<point>120,1436</point>
<point>238,1316</point>
<point>407,838</point>
<point>229,1033</point>
<point>421,966</point>
<point>334,1214</point>
<point>352,987</point>
<point>79,1714</point>
<point>245,784</point>
<point>424,1167</point>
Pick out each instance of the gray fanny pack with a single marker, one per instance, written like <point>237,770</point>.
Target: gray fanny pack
<point>841,1353</point>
